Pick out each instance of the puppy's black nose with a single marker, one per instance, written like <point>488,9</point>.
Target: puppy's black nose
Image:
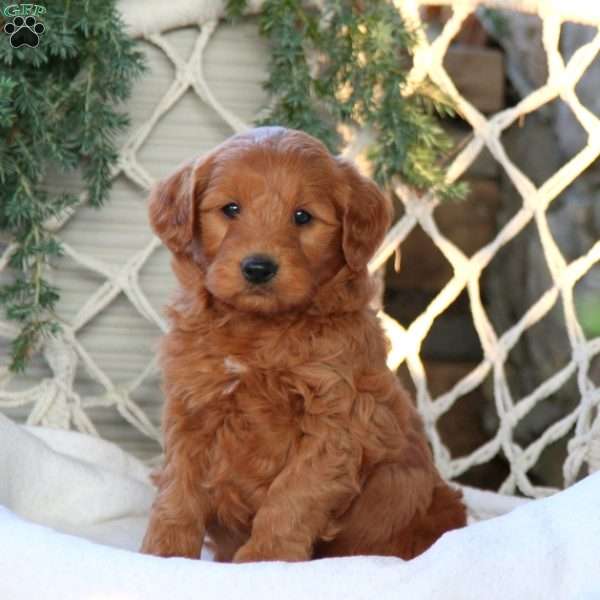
<point>258,268</point>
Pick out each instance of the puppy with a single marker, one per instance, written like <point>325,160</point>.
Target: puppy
<point>286,435</point>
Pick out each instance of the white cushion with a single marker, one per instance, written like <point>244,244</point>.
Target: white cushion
<point>79,484</point>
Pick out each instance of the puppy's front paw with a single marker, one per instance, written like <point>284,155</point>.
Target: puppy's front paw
<point>158,545</point>
<point>162,541</point>
<point>152,546</point>
<point>252,552</point>
<point>247,553</point>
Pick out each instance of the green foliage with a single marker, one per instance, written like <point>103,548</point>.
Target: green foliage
<point>588,309</point>
<point>497,21</point>
<point>57,108</point>
<point>295,92</point>
<point>236,8</point>
<point>348,64</point>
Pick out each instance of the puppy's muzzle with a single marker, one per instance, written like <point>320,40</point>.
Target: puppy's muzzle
<point>258,268</point>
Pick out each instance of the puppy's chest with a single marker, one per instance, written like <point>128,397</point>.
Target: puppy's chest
<point>250,422</point>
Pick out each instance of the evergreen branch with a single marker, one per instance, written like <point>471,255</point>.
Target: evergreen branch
<point>57,106</point>
<point>348,64</point>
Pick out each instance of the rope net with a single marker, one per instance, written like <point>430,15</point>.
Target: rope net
<point>73,385</point>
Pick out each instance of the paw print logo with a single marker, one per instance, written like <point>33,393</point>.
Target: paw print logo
<point>24,32</point>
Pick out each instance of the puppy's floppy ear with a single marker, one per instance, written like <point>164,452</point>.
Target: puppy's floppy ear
<point>366,216</point>
<point>174,201</point>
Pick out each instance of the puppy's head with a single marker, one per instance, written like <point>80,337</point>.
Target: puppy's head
<point>268,217</point>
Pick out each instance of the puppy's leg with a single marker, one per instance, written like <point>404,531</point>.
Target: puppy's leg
<point>179,513</point>
<point>401,512</point>
<point>319,483</point>
<point>446,512</point>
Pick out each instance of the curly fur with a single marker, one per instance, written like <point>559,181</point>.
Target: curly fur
<point>286,436</point>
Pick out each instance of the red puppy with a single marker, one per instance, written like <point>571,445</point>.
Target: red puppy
<point>286,435</point>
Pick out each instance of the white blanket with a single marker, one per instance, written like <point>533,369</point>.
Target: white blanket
<point>66,482</point>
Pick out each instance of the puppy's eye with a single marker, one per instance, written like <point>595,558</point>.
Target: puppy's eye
<point>301,217</point>
<point>231,210</point>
